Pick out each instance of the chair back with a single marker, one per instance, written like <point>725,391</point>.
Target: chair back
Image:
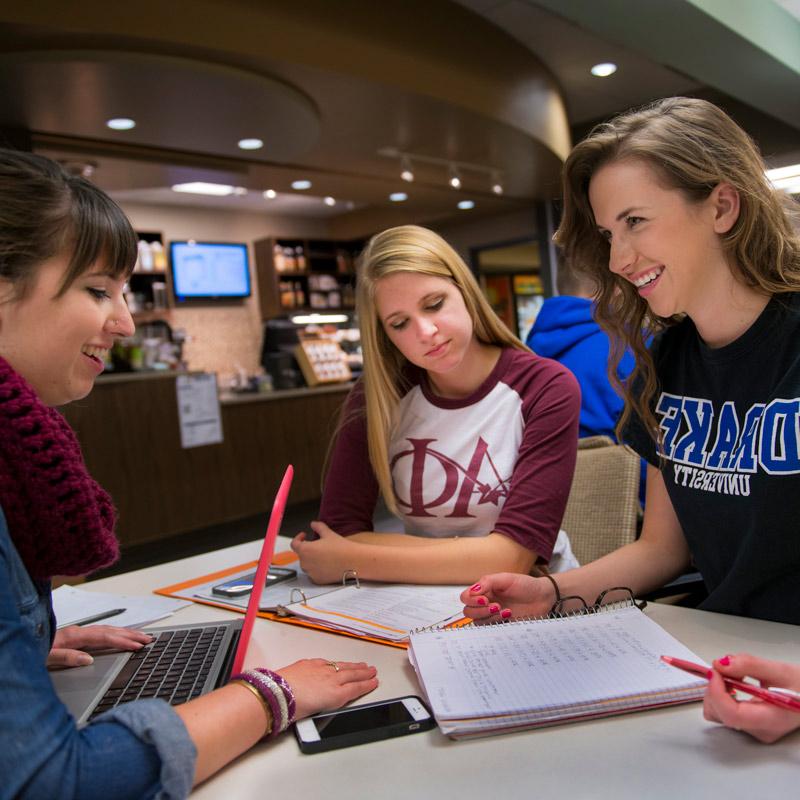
<point>603,504</point>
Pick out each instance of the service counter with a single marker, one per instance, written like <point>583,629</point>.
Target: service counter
<point>129,431</point>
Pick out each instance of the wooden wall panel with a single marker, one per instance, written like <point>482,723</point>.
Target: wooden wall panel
<point>131,442</point>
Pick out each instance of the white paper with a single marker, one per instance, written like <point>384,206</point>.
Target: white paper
<point>387,611</point>
<point>72,604</point>
<point>198,410</point>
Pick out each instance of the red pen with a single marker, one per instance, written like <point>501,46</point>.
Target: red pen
<point>775,696</point>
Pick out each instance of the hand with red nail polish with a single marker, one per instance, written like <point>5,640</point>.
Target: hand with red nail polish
<point>519,595</point>
<point>764,721</point>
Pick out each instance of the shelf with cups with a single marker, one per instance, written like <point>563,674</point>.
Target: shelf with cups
<point>311,275</point>
<point>149,286</point>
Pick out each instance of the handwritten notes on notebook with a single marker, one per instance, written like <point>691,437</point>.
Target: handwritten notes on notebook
<point>489,679</point>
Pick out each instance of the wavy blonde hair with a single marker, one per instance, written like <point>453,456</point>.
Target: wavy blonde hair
<point>692,146</point>
<point>412,249</point>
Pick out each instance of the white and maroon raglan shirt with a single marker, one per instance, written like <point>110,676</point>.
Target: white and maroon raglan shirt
<point>730,422</point>
<point>499,460</point>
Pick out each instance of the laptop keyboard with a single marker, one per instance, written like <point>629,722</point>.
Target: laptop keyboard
<point>174,667</point>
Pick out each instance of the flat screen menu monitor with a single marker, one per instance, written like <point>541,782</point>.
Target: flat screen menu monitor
<point>209,270</point>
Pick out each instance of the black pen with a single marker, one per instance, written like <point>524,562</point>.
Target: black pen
<point>97,617</point>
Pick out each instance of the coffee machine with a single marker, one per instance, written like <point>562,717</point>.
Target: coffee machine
<point>277,353</point>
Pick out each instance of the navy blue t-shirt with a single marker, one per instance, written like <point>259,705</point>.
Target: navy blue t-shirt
<point>730,419</point>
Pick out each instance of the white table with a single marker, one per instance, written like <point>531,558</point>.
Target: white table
<point>668,753</point>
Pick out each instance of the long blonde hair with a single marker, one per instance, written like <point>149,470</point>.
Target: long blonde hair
<point>692,146</point>
<point>407,248</point>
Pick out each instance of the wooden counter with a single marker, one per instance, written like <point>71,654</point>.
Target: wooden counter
<point>128,428</point>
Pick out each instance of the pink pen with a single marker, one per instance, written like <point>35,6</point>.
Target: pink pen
<point>776,697</point>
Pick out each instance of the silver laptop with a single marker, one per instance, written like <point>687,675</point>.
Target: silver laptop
<point>181,663</point>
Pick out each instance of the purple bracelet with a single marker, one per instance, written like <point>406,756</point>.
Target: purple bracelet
<point>256,681</point>
<point>267,683</point>
<point>287,691</point>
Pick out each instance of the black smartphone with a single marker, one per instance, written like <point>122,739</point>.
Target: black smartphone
<point>244,583</point>
<point>370,722</point>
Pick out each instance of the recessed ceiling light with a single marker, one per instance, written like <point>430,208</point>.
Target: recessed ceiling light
<point>466,205</point>
<point>200,187</point>
<point>120,124</point>
<point>329,201</point>
<point>301,185</point>
<point>603,70</point>
<point>270,194</point>
<point>398,197</point>
<point>250,144</point>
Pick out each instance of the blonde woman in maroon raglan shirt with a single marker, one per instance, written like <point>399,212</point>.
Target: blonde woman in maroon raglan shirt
<point>469,437</point>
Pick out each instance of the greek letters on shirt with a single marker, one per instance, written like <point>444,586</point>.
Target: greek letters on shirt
<point>431,467</point>
<point>719,450</point>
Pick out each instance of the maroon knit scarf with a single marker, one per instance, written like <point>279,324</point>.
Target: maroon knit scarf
<point>60,520</point>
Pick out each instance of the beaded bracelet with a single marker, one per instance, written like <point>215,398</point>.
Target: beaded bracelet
<point>278,711</point>
<point>261,699</point>
<point>287,690</point>
<point>278,694</point>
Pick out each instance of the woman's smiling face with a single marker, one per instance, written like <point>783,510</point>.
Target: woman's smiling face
<point>58,342</point>
<point>665,245</point>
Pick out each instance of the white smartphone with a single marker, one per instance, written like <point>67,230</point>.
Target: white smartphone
<point>370,722</point>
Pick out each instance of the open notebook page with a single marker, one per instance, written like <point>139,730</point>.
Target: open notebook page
<point>489,670</point>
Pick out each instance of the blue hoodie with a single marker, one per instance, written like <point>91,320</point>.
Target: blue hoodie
<point>565,331</point>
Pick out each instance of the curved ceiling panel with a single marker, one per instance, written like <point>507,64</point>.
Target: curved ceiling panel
<point>75,93</point>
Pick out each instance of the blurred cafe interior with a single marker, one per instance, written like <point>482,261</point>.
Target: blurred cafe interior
<point>257,144</point>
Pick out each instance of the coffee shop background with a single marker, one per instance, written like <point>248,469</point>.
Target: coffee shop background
<point>478,101</point>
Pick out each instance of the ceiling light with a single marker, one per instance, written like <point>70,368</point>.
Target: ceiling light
<point>603,70</point>
<point>329,201</point>
<point>455,179</point>
<point>398,197</point>
<point>270,194</point>
<point>497,186</point>
<point>466,205</point>
<point>786,179</point>
<point>407,174</point>
<point>239,191</point>
<point>318,319</point>
<point>200,187</point>
<point>120,124</point>
<point>301,185</point>
<point>250,144</point>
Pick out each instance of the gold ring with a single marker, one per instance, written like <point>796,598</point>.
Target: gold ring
<point>333,664</point>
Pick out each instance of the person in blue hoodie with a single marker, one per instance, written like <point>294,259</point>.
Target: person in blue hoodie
<point>566,332</point>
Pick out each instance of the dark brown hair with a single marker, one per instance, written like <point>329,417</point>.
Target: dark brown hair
<point>692,146</point>
<point>45,211</point>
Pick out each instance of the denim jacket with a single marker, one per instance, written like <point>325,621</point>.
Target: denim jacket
<point>137,750</point>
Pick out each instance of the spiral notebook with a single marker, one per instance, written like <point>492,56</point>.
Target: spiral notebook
<point>487,679</point>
